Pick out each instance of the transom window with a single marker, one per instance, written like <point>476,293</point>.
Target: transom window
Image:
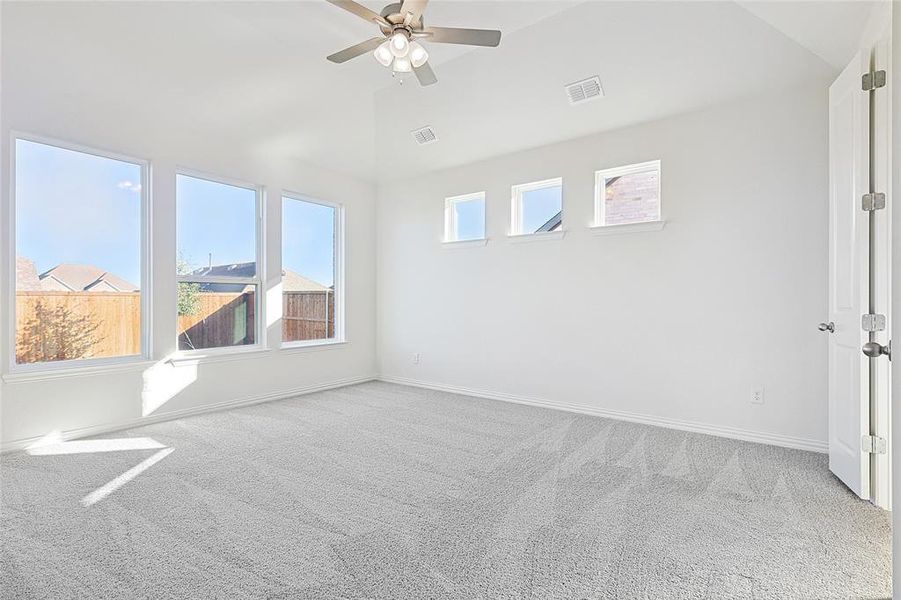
<point>537,207</point>
<point>464,218</point>
<point>218,244</point>
<point>80,218</point>
<point>311,259</point>
<point>627,195</point>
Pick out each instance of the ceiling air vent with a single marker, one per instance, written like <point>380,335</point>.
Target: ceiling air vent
<point>582,91</point>
<point>426,135</point>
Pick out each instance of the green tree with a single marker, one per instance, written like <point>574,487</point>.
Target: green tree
<point>188,293</point>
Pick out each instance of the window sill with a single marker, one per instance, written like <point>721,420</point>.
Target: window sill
<point>50,372</point>
<point>311,346</point>
<point>196,357</point>
<point>627,228</point>
<point>543,236</point>
<point>453,244</point>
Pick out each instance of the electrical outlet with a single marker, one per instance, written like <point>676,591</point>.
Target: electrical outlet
<point>757,395</point>
<point>416,358</point>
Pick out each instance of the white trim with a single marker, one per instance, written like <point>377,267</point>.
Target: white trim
<point>188,412</point>
<point>311,345</point>
<point>465,243</point>
<point>217,354</point>
<point>540,236</point>
<point>600,183</point>
<point>69,368</point>
<point>759,437</point>
<point>451,230</point>
<point>516,192</point>
<point>627,228</point>
<point>339,268</point>
<point>30,370</point>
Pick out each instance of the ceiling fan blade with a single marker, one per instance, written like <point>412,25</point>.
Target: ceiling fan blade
<point>415,8</point>
<point>359,10</point>
<point>355,51</point>
<point>470,37</point>
<point>425,75</point>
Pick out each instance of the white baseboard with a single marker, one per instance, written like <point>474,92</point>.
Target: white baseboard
<point>187,412</point>
<point>773,439</point>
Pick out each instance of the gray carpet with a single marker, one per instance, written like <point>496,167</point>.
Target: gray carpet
<point>385,491</point>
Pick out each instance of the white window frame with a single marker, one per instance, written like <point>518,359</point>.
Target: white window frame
<point>516,212</point>
<point>79,364</point>
<point>340,331</point>
<point>600,195</point>
<point>451,231</point>
<point>259,335</point>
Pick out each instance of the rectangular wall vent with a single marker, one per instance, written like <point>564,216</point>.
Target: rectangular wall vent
<point>426,135</point>
<point>582,91</point>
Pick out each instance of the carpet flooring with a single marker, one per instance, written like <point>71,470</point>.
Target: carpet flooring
<point>387,491</point>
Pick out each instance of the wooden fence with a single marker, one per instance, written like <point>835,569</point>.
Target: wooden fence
<point>221,319</point>
<point>308,316</point>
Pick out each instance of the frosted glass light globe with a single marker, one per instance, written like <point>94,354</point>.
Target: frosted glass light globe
<point>400,45</point>
<point>418,55</point>
<point>383,54</point>
<point>402,65</point>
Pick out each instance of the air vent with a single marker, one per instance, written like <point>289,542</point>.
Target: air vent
<point>426,135</point>
<point>582,91</point>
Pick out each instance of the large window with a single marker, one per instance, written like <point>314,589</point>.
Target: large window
<point>464,218</point>
<point>79,254</point>
<point>311,251</point>
<point>627,195</point>
<point>218,227</point>
<point>537,207</point>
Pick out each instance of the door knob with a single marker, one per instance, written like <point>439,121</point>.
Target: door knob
<point>830,327</point>
<point>875,350</point>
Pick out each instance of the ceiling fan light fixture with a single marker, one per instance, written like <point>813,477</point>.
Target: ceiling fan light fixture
<point>383,55</point>
<point>400,44</point>
<point>402,64</point>
<point>418,55</point>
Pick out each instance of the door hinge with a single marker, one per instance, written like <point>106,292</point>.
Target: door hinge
<point>873,444</point>
<point>873,80</point>
<point>871,322</point>
<point>875,201</point>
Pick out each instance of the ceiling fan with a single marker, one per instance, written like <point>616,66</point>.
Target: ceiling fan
<point>401,28</point>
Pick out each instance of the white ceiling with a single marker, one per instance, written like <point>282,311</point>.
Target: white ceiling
<point>254,73</point>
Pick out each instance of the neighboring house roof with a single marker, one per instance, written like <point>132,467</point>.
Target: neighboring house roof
<point>26,276</point>
<point>291,281</point>
<point>554,223</point>
<point>69,277</point>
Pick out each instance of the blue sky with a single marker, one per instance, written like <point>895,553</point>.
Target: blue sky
<point>73,207</point>
<point>77,208</point>
<point>470,219</point>
<point>308,240</point>
<point>538,206</point>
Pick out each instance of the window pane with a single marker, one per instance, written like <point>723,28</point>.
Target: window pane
<point>216,315</point>
<point>470,219</point>
<point>78,255</point>
<point>632,198</point>
<point>308,270</point>
<point>216,228</point>
<point>542,209</point>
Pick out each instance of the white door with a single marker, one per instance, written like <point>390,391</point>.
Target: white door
<point>848,277</point>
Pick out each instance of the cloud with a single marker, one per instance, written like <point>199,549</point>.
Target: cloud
<point>128,185</point>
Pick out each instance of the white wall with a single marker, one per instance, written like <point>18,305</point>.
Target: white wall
<point>679,324</point>
<point>34,407</point>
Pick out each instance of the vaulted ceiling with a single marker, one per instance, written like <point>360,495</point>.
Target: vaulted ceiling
<point>255,73</point>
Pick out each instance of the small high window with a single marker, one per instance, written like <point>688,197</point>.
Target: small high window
<point>627,195</point>
<point>464,218</point>
<point>537,207</point>
<point>217,228</point>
